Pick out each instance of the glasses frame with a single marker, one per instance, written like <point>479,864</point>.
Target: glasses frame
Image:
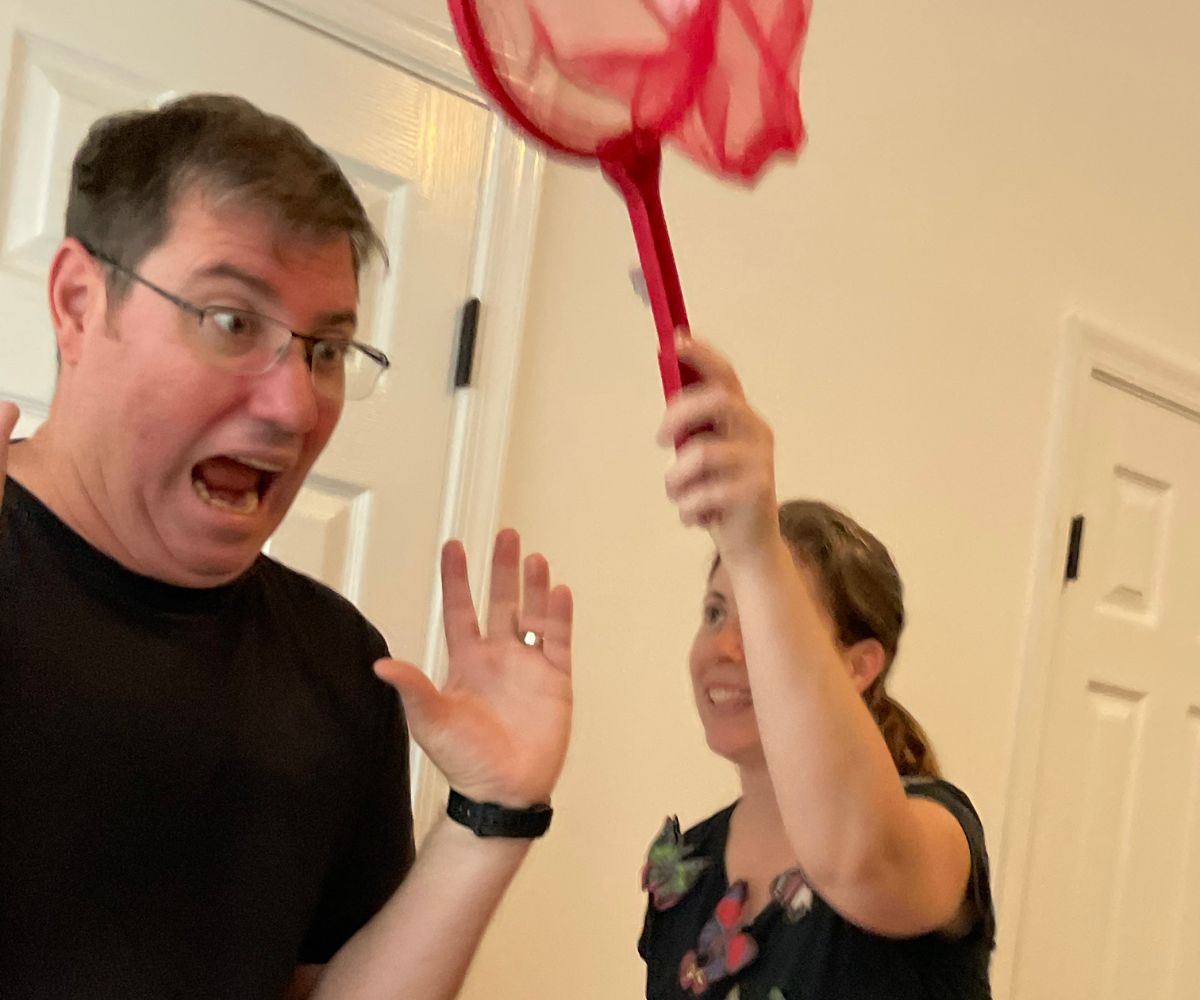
<point>200,312</point>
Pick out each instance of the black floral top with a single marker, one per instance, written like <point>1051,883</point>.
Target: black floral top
<point>697,943</point>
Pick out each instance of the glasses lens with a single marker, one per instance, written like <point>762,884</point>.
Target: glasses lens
<point>241,340</point>
<point>362,374</point>
<point>251,344</point>
<point>341,370</point>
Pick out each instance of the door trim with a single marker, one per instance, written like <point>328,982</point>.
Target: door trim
<point>508,214</point>
<point>483,411</point>
<point>424,48</point>
<point>1090,349</point>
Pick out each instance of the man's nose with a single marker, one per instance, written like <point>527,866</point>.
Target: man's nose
<point>284,395</point>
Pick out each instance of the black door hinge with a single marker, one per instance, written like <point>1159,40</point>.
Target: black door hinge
<point>468,327</point>
<point>1075,548</point>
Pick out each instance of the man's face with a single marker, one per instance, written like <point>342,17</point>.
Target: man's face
<point>194,466</point>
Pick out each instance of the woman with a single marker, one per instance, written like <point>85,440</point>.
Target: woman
<point>847,868</point>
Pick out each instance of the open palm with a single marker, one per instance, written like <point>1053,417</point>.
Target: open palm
<point>498,729</point>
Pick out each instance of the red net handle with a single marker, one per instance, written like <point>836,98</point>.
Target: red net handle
<point>635,172</point>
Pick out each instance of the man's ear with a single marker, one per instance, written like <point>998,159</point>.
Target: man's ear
<point>78,293</point>
<point>867,660</point>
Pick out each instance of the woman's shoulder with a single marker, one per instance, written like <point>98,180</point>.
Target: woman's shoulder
<point>714,827</point>
<point>676,859</point>
<point>946,794</point>
<point>958,804</point>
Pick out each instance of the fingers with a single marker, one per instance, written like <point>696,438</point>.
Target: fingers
<point>423,705</point>
<point>504,591</point>
<point>459,619</point>
<point>560,612</point>
<point>535,595</point>
<point>698,409</point>
<point>702,459</point>
<point>8,420</point>
<point>707,503</point>
<point>709,363</point>
<point>517,601</point>
<point>722,479</point>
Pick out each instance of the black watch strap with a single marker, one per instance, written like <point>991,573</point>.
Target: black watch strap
<point>487,819</point>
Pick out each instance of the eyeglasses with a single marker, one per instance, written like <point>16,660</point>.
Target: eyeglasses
<point>244,342</point>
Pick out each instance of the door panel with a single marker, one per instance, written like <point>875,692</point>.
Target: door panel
<point>1110,910</point>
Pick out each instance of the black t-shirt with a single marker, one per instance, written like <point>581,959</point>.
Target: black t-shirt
<point>819,955</point>
<point>199,789</point>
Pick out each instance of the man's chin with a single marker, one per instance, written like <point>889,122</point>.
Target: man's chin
<point>217,563</point>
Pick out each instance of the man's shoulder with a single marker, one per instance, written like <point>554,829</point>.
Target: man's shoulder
<point>313,601</point>
<point>301,586</point>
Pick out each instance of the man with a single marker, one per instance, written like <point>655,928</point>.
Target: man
<point>203,785</point>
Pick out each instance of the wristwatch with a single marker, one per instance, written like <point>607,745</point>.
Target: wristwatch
<point>488,819</point>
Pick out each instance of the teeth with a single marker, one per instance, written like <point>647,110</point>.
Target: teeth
<point>248,504</point>
<point>727,695</point>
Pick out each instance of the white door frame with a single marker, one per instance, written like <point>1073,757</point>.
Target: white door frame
<point>508,210</point>
<point>1089,349</point>
<point>421,47</point>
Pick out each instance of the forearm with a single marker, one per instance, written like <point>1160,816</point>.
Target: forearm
<point>838,792</point>
<point>419,946</point>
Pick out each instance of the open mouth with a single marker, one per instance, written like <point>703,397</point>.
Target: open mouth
<point>234,484</point>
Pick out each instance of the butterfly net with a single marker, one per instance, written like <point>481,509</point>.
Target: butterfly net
<point>717,79</point>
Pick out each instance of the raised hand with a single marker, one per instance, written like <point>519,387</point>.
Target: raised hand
<point>8,420</point>
<point>723,477</point>
<point>498,729</point>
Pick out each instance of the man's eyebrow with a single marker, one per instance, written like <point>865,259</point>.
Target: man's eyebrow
<point>264,288</point>
<point>347,317</point>
<point>223,269</point>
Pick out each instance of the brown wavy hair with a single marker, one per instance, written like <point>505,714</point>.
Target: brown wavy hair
<point>865,597</point>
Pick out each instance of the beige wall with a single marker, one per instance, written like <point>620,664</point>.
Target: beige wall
<point>894,302</point>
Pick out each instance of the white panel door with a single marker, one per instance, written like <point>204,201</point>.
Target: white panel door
<point>368,520</point>
<point>1112,905</point>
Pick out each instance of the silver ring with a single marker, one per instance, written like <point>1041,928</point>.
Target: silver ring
<point>531,639</point>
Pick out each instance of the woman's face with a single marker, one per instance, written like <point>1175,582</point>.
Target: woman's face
<point>720,684</point>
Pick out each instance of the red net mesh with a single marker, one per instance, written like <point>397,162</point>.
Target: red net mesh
<point>716,78</point>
